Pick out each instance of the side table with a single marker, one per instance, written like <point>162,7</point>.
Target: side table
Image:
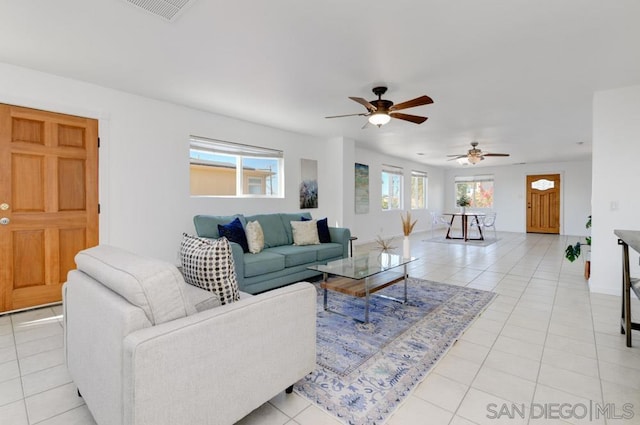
<point>351,239</point>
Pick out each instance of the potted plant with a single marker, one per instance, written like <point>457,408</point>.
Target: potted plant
<point>572,252</point>
<point>464,201</point>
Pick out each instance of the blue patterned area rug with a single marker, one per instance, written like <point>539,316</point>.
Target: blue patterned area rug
<point>364,371</point>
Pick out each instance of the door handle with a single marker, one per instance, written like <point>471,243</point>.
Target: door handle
<point>4,206</point>
<point>4,221</point>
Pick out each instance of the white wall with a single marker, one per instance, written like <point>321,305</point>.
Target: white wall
<point>616,199</point>
<point>387,223</point>
<point>144,164</point>
<point>144,159</point>
<point>510,193</point>
<point>144,172</point>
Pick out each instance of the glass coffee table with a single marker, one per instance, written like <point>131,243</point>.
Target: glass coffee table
<point>363,275</point>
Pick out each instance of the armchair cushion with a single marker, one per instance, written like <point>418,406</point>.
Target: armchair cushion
<point>208,264</point>
<point>153,285</point>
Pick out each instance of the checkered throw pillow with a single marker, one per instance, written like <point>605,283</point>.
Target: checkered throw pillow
<point>208,264</point>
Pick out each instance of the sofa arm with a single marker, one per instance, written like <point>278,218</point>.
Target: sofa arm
<point>219,365</point>
<point>238,260</point>
<point>341,235</point>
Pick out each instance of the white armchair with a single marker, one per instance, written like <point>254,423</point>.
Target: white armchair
<point>140,352</point>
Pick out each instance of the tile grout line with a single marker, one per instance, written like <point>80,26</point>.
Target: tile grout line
<point>15,346</point>
<point>544,345</point>
<point>455,413</point>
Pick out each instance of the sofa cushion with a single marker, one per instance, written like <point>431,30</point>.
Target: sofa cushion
<point>323,229</point>
<point>329,250</point>
<point>273,229</point>
<point>255,237</point>
<point>154,286</point>
<point>305,232</point>
<point>262,263</point>
<point>208,264</point>
<point>296,255</point>
<point>201,299</point>
<point>287,218</point>
<point>234,232</point>
<point>207,225</point>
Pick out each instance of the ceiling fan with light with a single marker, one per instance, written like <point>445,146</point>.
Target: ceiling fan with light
<point>474,155</point>
<point>380,111</point>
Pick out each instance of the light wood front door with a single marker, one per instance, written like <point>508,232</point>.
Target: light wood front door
<point>543,203</point>
<point>48,201</point>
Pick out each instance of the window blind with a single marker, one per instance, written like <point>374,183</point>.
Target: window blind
<point>229,148</point>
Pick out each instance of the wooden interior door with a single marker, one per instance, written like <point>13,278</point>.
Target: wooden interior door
<point>543,203</point>
<point>48,201</point>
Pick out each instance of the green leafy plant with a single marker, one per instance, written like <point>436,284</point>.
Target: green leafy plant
<point>572,252</point>
<point>464,201</point>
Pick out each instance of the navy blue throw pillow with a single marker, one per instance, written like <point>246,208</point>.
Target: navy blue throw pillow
<point>234,232</point>
<point>323,229</point>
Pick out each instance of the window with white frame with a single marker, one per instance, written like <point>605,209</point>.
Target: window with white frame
<point>418,190</point>
<point>219,168</point>
<point>391,187</point>
<point>477,188</point>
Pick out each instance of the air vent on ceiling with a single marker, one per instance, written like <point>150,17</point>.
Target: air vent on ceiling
<point>166,9</point>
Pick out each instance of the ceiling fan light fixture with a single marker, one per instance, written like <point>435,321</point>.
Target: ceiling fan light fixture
<point>379,119</point>
<point>473,159</point>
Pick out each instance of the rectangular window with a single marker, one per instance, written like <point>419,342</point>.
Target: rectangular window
<point>219,168</point>
<point>418,190</point>
<point>391,187</point>
<point>477,188</point>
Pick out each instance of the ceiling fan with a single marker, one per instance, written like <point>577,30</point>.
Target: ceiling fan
<point>475,155</point>
<point>380,111</point>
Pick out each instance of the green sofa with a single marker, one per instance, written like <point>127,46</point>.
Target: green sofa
<point>280,262</point>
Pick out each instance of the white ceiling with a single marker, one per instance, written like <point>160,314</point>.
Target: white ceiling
<point>516,75</point>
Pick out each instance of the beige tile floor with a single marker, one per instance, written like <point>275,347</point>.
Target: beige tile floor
<point>545,341</point>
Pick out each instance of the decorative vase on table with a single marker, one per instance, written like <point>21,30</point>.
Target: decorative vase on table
<point>464,210</point>
<point>406,247</point>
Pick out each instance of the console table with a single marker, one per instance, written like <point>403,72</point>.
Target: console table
<point>628,238</point>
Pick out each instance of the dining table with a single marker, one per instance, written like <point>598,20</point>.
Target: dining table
<point>466,218</point>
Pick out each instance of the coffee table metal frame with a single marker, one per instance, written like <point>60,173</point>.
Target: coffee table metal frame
<point>358,277</point>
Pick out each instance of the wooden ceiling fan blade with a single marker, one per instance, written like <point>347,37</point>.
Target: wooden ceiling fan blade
<point>418,101</point>
<point>495,154</point>
<point>456,157</point>
<point>413,118</point>
<point>363,102</point>
<point>348,115</point>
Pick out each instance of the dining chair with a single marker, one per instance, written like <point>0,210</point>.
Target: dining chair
<point>486,221</point>
<point>439,220</point>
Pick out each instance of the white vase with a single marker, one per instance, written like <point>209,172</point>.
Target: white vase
<point>406,247</point>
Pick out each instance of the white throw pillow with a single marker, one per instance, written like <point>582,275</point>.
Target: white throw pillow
<point>255,236</point>
<point>305,232</point>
